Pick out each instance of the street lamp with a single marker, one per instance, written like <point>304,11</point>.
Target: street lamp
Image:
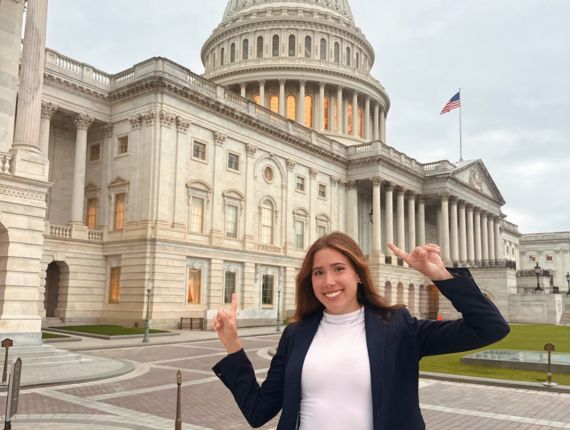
<point>278,321</point>
<point>568,281</point>
<point>537,271</point>
<point>147,319</point>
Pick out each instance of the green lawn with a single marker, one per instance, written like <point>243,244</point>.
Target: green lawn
<point>108,330</point>
<point>46,335</point>
<point>530,337</point>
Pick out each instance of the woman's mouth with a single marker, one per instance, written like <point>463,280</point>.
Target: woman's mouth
<point>332,294</point>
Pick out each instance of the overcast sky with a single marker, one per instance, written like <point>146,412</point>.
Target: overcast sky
<point>511,59</point>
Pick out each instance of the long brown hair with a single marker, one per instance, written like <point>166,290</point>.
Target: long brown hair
<point>306,301</point>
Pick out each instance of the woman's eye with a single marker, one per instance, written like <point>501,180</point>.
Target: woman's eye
<point>317,273</point>
<point>339,269</point>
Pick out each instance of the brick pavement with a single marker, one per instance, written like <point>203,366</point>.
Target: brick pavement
<point>145,399</point>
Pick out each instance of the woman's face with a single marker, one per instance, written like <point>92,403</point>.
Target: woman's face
<point>334,281</point>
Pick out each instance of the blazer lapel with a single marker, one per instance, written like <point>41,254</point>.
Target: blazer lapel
<point>376,328</point>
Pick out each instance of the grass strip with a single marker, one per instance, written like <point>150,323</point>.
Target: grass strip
<point>109,330</point>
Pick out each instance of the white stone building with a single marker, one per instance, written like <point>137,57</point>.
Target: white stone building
<point>197,186</point>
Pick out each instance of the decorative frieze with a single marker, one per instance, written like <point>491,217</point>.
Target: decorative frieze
<point>22,193</point>
<point>82,121</point>
<point>48,109</point>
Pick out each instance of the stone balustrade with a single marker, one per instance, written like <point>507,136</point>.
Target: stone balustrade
<point>68,232</point>
<point>6,163</point>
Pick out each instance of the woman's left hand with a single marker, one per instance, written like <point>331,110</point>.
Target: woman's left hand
<point>425,259</point>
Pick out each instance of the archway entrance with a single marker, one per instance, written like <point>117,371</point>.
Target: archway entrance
<point>51,300</point>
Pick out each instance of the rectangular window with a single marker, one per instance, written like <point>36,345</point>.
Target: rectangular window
<point>532,258</point>
<point>231,221</point>
<point>123,145</point>
<point>322,230</point>
<point>266,226</point>
<point>267,290</point>
<point>91,214</point>
<point>322,191</point>
<point>300,183</point>
<point>549,258</point>
<point>299,234</point>
<point>94,152</point>
<point>233,162</point>
<point>119,215</point>
<point>229,286</point>
<point>194,285</point>
<point>115,285</point>
<point>199,151</point>
<point>197,215</point>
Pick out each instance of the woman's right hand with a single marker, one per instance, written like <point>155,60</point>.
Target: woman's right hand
<point>225,324</point>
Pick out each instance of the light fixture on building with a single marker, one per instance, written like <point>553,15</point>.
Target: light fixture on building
<point>537,271</point>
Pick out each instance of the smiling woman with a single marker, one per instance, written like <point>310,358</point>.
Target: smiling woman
<point>347,342</point>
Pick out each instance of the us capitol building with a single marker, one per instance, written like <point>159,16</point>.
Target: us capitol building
<point>157,183</point>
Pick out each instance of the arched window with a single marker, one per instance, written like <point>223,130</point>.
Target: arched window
<point>347,56</point>
<point>214,59</point>
<point>336,53</point>
<point>274,103</point>
<point>308,111</point>
<point>292,45</point>
<point>267,215</point>
<point>349,119</point>
<point>292,107</point>
<point>275,47</point>
<point>361,122</point>
<point>260,47</point>
<point>245,49</point>
<point>357,60</point>
<point>326,113</point>
<point>308,47</point>
<point>232,53</point>
<point>323,52</point>
<point>222,56</point>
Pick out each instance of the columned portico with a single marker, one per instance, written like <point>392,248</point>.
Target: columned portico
<point>445,228</point>
<point>82,122</point>
<point>484,237</point>
<point>462,232</point>
<point>48,109</point>
<point>421,224</point>
<point>389,215</point>
<point>376,121</point>
<point>352,210</point>
<point>282,97</point>
<point>470,234</point>
<point>453,230</point>
<point>499,253</point>
<point>301,103</point>
<point>401,239</point>
<point>477,233</point>
<point>411,222</point>
<point>491,233</point>
<point>376,212</point>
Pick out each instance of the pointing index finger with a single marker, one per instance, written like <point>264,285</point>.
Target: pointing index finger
<point>397,251</point>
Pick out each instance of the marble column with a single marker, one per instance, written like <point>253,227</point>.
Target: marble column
<point>401,220</point>
<point>28,112</point>
<point>411,222</point>
<point>282,97</point>
<point>243,88</point>
<point>354,114</point>
<point>491,233</point>
<point>339,113</point>
<point>82,122</point>
<point>454,239</point>
<point>484,237</point>
<point>470,234</point>
<point>106,162</point>
<point>445,228</point>
<point>321,115</point>
<point>499,253</point>
<point>383,125</point>
<point>352,203</point>
<point>477,234</point>
<point>262,93</point>
<point>48,109</point>
<point>389,214</point>
<point>367,119</point>
<point>462,232</point>
<point>376,218</point>
<point>421,222</point>
<point>376,134</point>
<point>301,104</point>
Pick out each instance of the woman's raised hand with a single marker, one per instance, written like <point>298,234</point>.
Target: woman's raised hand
<point>225,324</point>
<point>425,259</point>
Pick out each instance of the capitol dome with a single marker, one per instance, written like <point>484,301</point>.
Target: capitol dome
<point>303,59</point>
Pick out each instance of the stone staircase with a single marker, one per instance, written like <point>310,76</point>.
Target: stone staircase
<point>52,322</point>
<point>42,355</point>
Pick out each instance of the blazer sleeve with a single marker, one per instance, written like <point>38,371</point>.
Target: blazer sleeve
<point>258,404</point>
<point>482,323</point>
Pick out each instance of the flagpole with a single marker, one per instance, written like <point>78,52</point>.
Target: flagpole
<point>460,137</point>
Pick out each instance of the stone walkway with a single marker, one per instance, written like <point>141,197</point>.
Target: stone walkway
<point>145,399</point>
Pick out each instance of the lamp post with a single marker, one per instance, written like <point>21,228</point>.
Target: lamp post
<point>278,321</point>
<point>147,319</point>
<point>537,271</point>
<point>568,282</point>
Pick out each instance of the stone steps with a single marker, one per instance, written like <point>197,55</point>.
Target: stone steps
<point>52,322</point>
<point>565,320</point>
<point>44,355</point>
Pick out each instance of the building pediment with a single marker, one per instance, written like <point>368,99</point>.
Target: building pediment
<point>475,175</point>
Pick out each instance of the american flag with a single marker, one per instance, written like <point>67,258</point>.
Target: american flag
<point>453,103</point>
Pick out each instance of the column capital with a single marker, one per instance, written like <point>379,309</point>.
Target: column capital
<point>82,121</point>
<point>242,84</point>
<point>445,196</point>
<point>251,149</point>
<point>219,138</point>
<point>313,172</point>
<point>290,164</point>
<point>48,109</point>
<point>421,199</point>
<point>401,190</point>
<point>108,130</point>
<point>182,125</point>
<point>322,85</point>
<point>411,194</point>
<point>303,82</point>
<point>351,185</point>
<point>282,81</point>
<point>377,180</point>
<point>389,186</point>
<point>261,82</point>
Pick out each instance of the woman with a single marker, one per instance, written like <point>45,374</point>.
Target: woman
<point>349,360</point>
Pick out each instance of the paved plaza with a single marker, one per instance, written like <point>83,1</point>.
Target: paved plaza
<point>145,398</point>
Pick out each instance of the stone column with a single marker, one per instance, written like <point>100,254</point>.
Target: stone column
<point>383,125</point>
<point>491,233</point>
<point>401,238</point>
<point>484,237</point>
<point>282,97</point>
<point>262,93</point>
<point>339,112</point>
<point>411,222</point>
<point>355,114</point>
<point>376,134</point>
<point>477,234</point>
<point>389,214</point>
<point>499,253</point>
<point>367,119</point>
<point>48,109</point>
<point>250,236</point>
<point>321,115</point>
<point>470,235</point>
<point>12,13</point>
<point>106,160</point>
<point>352,210</point>
<point>376,218</point>
<point>454,239</point>
<point>243,88</point>
<point>421,222</point>
<point>445,228</point>
<point>82,122</point>
<point>301,103</point>
<point>462,232</point>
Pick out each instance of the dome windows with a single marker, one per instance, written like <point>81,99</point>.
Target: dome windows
<point>233,53</point>
<point>308,47</point>
<point>348,56</point>
<point>323,53</point>
<point>336,53</point>
<point>260,47</point>
<point>292,50</point>
<point>275,46</point>
<point>245,49</point>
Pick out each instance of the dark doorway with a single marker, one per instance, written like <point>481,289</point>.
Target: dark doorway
<point>52,289</point>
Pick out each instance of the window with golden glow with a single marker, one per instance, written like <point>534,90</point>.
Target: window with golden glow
<point>115,285</point>
<point>256,99</point>
<point>194,285</point>
<point>292,107</point>
<point>92,213</point>
<point>350,118</point>
<point>360,122</point>
<point>274,103</point>
<point>327,112</point>
<point>308,111</point>
<point>335,110</point>
<point>267,217</point>
<point>119,213</point>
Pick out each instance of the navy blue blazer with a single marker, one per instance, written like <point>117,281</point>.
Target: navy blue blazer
<point>395,346</point>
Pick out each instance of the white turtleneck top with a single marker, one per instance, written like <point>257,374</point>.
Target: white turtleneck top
<point>336,391</point>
